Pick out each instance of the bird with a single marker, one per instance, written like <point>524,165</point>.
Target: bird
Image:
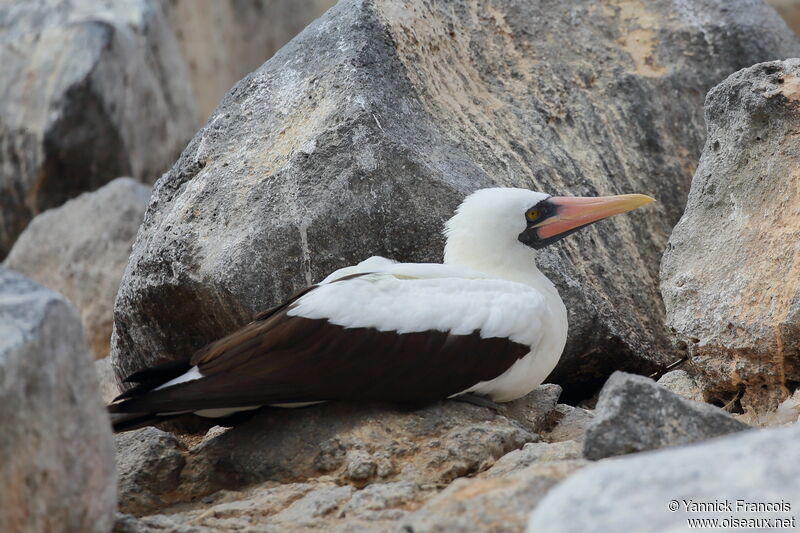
<point>485,325</point>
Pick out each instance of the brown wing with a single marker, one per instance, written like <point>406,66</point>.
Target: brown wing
<point>281,359</point>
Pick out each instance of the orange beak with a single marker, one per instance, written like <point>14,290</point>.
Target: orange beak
<point>574,212</point>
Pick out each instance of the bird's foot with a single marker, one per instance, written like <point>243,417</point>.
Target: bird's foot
<point>477,399</point>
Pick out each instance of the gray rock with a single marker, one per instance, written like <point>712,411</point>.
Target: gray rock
<point>635,414</point>
<point>106,379</point>
<point>633,493</point>
<point>57,468</point>
<point>91,90</point>
<point>489,503</point>
<point>537,410</point>
<point>535,452</point>
<point>683,384</point>
<point>149,462</point>
<point>571,424</point>
<point>289,507</point>
<point>353,444</point>
<point>80,250</point>
<point>362,135</point>
<point>727,276</point>
<point>224,41</point>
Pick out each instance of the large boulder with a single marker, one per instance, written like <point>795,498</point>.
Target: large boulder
<point>635,414</point>
<point>57,467</point>
<point>224,41</point>
<point>748,476</point>
<point>80,250</point>
<point>363,134</point>
<point>731,274</point>
<point>91,90</point>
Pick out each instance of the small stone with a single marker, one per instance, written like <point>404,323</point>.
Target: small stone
<point>571,424</point>
<point>635,414</point>
<point>360,466</point>
<point>149,462</point>
<point>682,384</point>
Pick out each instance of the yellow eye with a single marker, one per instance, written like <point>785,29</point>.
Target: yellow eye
<point>532,214</point>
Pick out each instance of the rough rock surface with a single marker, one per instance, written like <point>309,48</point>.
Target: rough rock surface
<point>80,250</point>
<point>635,414</point>
<point>57,467</point>
<point>570,424</point>
<point>357,445</point>
<point>149,462</point>
<point>362,134</point>
<point>493,501</point>
<point>633,493</point>
<point>498,499</point>
<point>107,381</point>
<point>91,90</point>
<point>224,41</point>
<point>731,274</point>
<point>683,384</point>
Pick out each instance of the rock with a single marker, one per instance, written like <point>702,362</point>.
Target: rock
<point>634,493</point>
<point>92,90</point>
<point>106,379</point>
<point>634,414</point>
<point>502,495</point>
<point>361,136</point>
<point>728,277</point>
<point>81,249</point>
<point>149,462</point>
<point>790,11</point>
<point>490,503</point>
<point>535,452</point>
<point>681,383</point>
<point>571,424</point>
<point>353,444</point>
<point>537,410</point>
<point>320,506</point>
<point>224,41</point>
<point>57,471</point>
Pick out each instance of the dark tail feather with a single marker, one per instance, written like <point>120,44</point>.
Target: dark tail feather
<point>146,380</point>
<point>155,376</point>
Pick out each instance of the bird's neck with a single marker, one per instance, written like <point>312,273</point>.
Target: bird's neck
<point>511,261</point>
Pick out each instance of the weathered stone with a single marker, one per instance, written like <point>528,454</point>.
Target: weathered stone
<point>57,467</point>
<point>535,452</point>
<point>92,90</point>
<point>149,462</point>
<point>790,11</point>
<point>536,411</point>
<point>571,424</point>
<point>489,503</point>
<point>80,250</point>
<point>224,41</point>
<point>353,444</point>
<point>730,274</point>
<point>682,384</point>
<point>290,507</point>
<point>362,134</point>
<point>106,379</point>
<point>635,414</point>
<point>634,493</point>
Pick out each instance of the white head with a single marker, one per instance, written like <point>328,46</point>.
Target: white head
<point>499,229</point>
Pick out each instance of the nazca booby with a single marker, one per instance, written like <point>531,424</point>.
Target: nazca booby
<point>486,322</point>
